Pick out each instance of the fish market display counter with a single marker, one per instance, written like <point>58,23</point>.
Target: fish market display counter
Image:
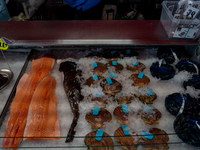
<point>149,121</point>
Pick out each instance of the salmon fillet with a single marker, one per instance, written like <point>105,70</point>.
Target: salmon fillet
<point>20,105</point>
<point>42,120</point>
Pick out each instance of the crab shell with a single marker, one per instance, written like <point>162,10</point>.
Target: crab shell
<point>120,115</point>
<point>160,137</point>
<point>111,89</point>
<point>147,98</point>
<point>91,142</point>
<point>151,117</point>
<point>136,69</point>
<point>117,67</point>
<point>90,80</point>
<point>98,121</point>
<point>123,99</point>
<point>139,82</point>
<point>100,69</point>
<point>125,140</point>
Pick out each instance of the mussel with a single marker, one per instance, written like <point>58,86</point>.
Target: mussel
<point>187,127</point>
<point>176,101</point>
<point>166,53</point>
<point>194,82</point>
<point>163,72</point>
<point>188,65</point>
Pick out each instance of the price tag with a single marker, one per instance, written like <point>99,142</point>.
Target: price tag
<point>3,45</point>
<point>150,92</point>
<point>109,81</point>
<point>94,64</point>
<point>134,62</point>
<point>95,77</point>
<point>112,74</point>
<point>98,95</point>
<point>128,51</point>
<point>125,129</point>
<point>147,108</point>
<point>125,108</point>
<point>114,63</point>
<point>191,12</point>
<point>113,52</point>
<point>141,75</point>
<point>99,135</point>
<point>147,135</point>
<point>95,110</point>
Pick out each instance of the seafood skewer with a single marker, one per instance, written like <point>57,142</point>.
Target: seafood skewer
<point>71,83</point>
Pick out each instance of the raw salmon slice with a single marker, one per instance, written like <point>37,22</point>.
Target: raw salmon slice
<point>40,68</point>
<point>42,120</point>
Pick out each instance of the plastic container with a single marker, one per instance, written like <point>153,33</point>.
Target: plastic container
<point>178,28</point>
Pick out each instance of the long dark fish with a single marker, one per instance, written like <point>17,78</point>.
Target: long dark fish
<point>71,83</point>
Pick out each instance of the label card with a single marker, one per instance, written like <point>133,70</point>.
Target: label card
<point>98,95</point>
<point>94,64</point>
<point>95,110</point>
<point>112,74</point>
<point>109,81</point>
<point>191,12</point>
<point>113,52</point>
<point>128,51</point>
<point>185,33</point>
<point>125,108</point>
<point>134,62</point>
<point>95,77</point>
<point>147,108</point>
<point>147,135</point>
<point>99,135</point>
<point>141,75</point>
<point>125,129</point>
<point>114,63</point>
<point>150,92</point>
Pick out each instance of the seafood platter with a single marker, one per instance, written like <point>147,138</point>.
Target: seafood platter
<point>105,99</point>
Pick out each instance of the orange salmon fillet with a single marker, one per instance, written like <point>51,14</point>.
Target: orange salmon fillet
<point>42,120</point>
<point>20,105</point>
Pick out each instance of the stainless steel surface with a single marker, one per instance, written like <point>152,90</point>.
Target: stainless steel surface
<point>88,32</point>
<point>7,74</point>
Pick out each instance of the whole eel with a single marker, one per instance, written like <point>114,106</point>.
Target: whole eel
<point>71,83</point>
